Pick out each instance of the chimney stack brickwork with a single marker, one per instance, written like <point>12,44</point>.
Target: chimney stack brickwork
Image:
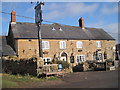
<point>81,23</point>
<point>13,16</point>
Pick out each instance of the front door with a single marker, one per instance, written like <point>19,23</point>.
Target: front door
<point>64,56</point>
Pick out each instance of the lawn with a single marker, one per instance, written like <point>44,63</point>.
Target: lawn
<point>12,81</point>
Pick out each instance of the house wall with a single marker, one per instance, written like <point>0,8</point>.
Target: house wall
<point>29,48</point>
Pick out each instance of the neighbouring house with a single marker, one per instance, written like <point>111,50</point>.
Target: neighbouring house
<point>5,49</point>
<point>61,42</point>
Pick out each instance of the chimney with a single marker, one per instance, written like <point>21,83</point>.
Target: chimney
<point>81,23</point>
<point>13,17</point>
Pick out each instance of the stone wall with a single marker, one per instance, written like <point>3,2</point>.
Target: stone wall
<point>29,48</point>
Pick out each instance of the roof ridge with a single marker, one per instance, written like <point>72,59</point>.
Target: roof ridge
<point>93,27</point>
<point>30,23</point>
<point>57,24</point>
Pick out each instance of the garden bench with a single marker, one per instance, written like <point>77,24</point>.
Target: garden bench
<point>57,73</point>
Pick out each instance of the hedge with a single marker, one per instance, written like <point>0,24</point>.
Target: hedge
<point>22,67</point>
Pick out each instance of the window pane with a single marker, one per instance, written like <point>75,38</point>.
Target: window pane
<point>46,61</point>
<point>79,44</point>
<point>80,58</point>
<point>45,44</point>
<point>98,43</point>
<point>62,44</point>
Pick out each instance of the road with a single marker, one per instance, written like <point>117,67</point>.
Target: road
<point>97,79</point>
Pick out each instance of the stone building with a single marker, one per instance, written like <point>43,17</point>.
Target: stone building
<point>61,42</point>
<point>5,49</point>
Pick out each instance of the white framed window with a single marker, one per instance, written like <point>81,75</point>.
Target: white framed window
<point>98,44</point>
<point>80,58</point>
<point>79,44</point>
<point>62,44</point>
<point>45,45</point>
<point>47,60</point>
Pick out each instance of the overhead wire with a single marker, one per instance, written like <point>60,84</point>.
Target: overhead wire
<point>17,15</point>
<point>43,20</point>
<point>31,18</point>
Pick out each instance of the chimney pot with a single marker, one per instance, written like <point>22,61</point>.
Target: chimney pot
<point>81,23</point>
<point>13,16</point>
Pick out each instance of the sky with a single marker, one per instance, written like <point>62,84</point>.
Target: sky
<point>96,14</point>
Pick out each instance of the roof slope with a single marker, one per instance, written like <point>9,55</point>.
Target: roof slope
<point>5,49</point>
<point>29,30</point>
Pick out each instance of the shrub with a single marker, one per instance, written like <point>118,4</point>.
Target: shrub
<point>53,61</point>
<point>78,68</point>
<point>64,64</point>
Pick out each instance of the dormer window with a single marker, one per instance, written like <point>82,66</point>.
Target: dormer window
<point>60,29</point>
<point>53,28</point>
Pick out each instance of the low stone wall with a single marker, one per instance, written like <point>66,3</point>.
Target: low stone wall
<point>21,67</point>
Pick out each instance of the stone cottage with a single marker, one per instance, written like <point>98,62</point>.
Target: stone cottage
<point>73,44</point>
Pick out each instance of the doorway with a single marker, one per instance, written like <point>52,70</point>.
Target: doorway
<point>64,56</point>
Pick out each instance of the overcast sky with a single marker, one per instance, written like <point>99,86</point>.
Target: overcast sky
<point>98,15</point>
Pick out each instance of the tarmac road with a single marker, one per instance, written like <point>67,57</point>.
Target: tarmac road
<point>97,79</point>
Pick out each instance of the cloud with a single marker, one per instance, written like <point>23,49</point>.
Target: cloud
<point>96,25</point>
<point>54,15</point>
<point>69,10</point>
<point>109,10</point>
<point>112,29</point>
<point>81,8</point>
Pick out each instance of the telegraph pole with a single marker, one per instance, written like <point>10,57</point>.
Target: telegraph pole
<point>38,21</point>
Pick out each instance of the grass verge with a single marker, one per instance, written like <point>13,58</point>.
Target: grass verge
<point>11,81</point>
